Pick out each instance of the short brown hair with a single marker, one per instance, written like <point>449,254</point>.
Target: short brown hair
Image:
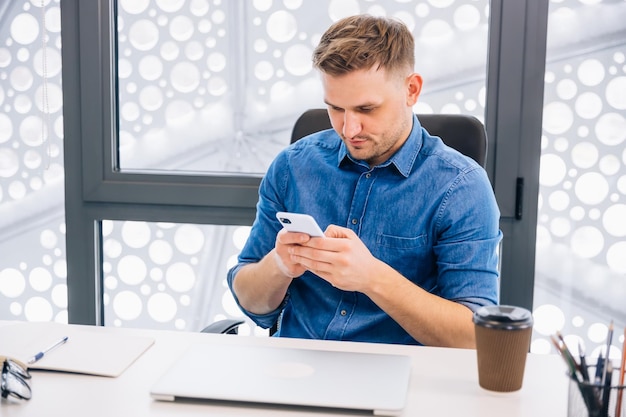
<point>362,42</point>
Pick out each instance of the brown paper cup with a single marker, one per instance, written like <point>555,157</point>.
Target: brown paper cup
<point>503,336</point>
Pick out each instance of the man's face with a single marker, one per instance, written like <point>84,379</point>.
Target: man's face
<point>372,111</point>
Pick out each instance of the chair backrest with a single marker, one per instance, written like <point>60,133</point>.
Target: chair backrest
<point>464,133</point>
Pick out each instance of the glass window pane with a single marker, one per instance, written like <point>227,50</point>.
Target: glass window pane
<point>170,275</point>
<point>581,232</point>
<point>33,274</point>
<point>32,229</point>
<point>215,86</point>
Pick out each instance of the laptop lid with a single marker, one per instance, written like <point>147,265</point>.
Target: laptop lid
<point>289,376</point>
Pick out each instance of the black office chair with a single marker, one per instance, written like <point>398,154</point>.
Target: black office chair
<point>464,133</point>
<point>225,326</point>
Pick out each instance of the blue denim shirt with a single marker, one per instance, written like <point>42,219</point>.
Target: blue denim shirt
<point>429,212</point>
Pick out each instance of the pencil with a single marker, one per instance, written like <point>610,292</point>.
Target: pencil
<point>620,389</point>
<point>567,357</point>
<point>567,352</point>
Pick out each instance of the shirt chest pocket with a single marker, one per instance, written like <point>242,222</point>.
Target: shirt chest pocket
<point>410,256</point>
<point>399,242</point>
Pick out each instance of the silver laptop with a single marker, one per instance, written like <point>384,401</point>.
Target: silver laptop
<point>376,383</point>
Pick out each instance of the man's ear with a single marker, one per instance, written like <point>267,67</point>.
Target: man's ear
<point>414,88</point>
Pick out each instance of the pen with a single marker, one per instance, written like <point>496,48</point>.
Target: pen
<point>606,388</point>
<point>599,369</point>
<point>609,339</point>
<point>41,354</point>
<point>583,363</point>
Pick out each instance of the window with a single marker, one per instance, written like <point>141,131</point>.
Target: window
<point>581,250</point>
<point>197,132</point>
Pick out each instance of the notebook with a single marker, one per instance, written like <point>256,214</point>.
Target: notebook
<point>376,383</point>
<point>88,350</point>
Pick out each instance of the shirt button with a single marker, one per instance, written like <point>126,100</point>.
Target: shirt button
<point>343,312</point>
<point>354,221</point>
<point>368,175</point>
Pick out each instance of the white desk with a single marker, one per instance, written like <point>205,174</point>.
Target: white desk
<point>444,382</point>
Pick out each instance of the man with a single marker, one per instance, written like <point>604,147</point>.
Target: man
<point>411,225</point>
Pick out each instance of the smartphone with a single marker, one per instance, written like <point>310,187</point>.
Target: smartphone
<point>303,223</point>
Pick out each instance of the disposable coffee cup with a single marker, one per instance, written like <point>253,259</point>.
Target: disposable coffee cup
<point>502,342</point>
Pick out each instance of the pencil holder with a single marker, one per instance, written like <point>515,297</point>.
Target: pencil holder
<point>586,399</point>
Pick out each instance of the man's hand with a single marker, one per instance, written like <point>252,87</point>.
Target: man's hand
<point>284,261</point>
<point>261,286</point>
<point>341,259</point>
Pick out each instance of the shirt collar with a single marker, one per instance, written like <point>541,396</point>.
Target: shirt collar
<point>403,159</point>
